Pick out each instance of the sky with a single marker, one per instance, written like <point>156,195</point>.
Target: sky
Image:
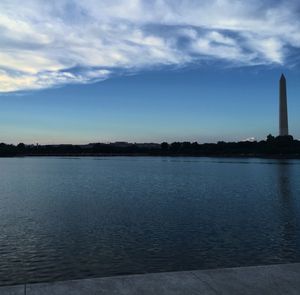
<point>146,71</point>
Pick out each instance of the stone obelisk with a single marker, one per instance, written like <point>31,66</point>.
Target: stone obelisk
<point>283,113</point>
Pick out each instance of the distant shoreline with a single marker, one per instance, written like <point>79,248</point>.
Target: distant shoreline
<point>104,155</point>
<point>281,147</point>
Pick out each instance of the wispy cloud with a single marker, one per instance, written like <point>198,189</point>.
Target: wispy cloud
<point>50,43</point>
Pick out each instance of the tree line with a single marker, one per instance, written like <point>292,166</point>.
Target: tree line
<point>272,146</point>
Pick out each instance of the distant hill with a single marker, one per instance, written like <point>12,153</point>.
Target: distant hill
<point>282,146</point>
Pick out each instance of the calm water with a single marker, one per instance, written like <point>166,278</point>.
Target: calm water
<point>63,218</point>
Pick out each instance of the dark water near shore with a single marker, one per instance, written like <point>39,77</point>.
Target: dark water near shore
<point>67,218</point>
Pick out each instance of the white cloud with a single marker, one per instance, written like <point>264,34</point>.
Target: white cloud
<point>50,43</point>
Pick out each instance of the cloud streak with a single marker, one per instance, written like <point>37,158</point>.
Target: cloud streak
<point>51,43</point>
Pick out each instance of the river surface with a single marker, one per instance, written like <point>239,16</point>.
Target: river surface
<point>69,218</point>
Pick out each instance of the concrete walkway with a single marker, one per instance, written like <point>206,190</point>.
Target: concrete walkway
<point>272,279</point>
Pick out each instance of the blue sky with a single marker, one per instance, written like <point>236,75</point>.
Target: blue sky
<point>146,71</point>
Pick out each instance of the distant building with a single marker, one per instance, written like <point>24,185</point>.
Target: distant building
<point>121,144</point>
<point>283,112</point>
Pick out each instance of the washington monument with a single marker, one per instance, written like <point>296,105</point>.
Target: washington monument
<point>283,113</point>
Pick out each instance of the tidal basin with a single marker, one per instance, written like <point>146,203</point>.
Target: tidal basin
<point>75,218</point>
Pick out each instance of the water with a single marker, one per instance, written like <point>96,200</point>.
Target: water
<point>68,218</point>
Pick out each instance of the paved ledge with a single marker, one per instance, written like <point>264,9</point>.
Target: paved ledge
<point>271,279</point>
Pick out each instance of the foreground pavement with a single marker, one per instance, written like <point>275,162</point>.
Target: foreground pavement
<point>269,279</point>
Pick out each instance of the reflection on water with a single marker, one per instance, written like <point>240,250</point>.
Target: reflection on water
<point>287,210</point>
<point>68,218</point>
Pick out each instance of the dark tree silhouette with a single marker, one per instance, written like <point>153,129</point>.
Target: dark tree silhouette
<point>281,146</point>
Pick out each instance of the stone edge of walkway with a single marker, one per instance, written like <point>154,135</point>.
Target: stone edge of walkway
<point>264,279</point>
